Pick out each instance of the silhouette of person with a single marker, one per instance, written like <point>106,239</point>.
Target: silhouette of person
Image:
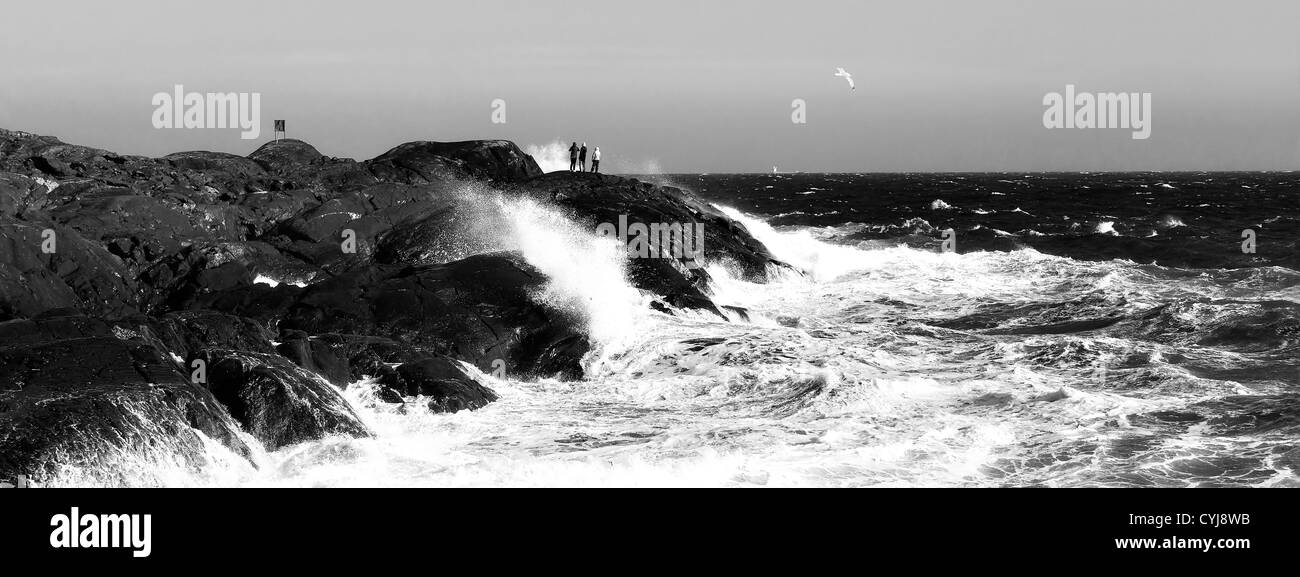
<point>595,160</point>
<point>582,157</point>
<point>573,157</point>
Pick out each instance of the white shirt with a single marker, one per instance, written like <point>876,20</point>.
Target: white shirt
<point>596,155</point>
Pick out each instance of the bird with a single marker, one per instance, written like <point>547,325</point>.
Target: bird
<point>847,76</point>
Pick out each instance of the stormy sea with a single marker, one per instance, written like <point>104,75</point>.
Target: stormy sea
<point>446,314</point>
<point>1089,330</point>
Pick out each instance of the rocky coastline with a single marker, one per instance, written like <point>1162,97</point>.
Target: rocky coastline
<point>207,297</point>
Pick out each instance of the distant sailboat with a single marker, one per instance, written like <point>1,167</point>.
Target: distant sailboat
<point>775,171</point>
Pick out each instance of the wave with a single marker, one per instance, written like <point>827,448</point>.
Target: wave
<point>586,272</point>
<point>821,260</point>
<point>551,157</point>
<point>922,369</point>
<point>883,365</point>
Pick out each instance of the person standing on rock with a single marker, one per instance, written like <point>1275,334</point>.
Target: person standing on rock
<point>582,157</point>
<point>595,160</point>
<point>573,157</point>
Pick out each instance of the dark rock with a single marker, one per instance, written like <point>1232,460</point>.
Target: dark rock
<point>369,356</point>
<point>267,209</point>
<point>615,202</point>
<point>278,155</point>
<point>478,309</point>
<point>25,153</point>
<point>224,172</point>
<point>276,401</point>
<point>992,400</point>
<point>297,164</point>
<point>52,166</point>
<point>20,194</point>
<point>173,281</point>
<point>389,395</point>
<point>449,387</point>
<point>145,228</point>
<point>679,287</point>
<point>29,282</point>
<point>324,221</point>
<point>315,234</point>
<point>180,278</point>
<point>320,355</point>
<point>185,333</point>
<point>600,199</point>
<point>741,312</point>
<point>440,232</point>
<point>1051,397</point>
<point>424,162</point>
<point>74,393</point>
<point>78,273</point>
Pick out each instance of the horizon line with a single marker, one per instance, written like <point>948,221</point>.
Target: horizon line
<point>259,143</point>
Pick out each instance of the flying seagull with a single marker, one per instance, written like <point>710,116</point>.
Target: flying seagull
<point>847,76</point>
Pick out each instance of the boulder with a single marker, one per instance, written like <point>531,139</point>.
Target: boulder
<point>449,387</point>
<point>277,402</point>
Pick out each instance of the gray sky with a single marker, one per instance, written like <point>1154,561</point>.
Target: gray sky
<point>679,86</point>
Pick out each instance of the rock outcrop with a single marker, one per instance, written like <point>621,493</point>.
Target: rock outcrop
<point>245,263</point>
<point>276,401</point>
<point>84,402</point>
<point>479,309</point>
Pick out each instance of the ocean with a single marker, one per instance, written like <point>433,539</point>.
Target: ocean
<point>1088,330</point>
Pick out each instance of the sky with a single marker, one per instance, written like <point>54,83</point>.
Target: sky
<point>678,86</point>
